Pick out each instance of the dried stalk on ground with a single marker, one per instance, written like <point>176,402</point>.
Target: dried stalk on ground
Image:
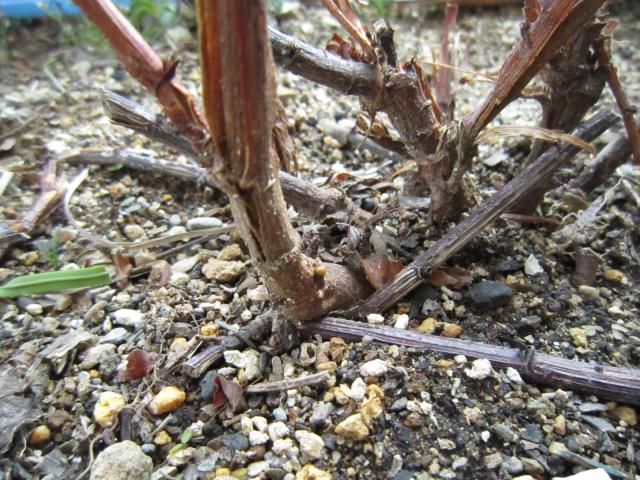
<point>605,381</point>
<point>596,172</point>
<point>304,197</point>
<point>308,199</point>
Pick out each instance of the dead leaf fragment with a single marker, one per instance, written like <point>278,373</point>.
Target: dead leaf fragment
<point>450,277</point>
<point>139,364</point>
<point>380,270</point>
<point>226,392</point>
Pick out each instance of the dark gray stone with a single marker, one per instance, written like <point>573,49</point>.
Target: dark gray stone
<point>489,294</point>
<point>235,441</point>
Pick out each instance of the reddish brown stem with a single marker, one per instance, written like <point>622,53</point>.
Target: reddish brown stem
<point>143,64</point>
<point>239,99</point>
<point>557,21</point>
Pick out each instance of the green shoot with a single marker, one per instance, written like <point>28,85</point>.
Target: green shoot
<point>52,282</point>
<point>185,438</point>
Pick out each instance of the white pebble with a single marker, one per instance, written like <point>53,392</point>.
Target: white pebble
<point>311,444</point>
<point>257,438</point>
<point>374,368</point>
<point>514,376</point>
<point>277,430</point>
<point>480,369</point>
<point>375,318</point>
<point>260,423</point>
<point>358,389</point>
<point>532,266</point>
<point>401,321</point>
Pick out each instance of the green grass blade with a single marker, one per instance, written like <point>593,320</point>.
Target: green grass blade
<point>51,282</point>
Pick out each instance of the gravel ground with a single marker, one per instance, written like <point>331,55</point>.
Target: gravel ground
<point>68,409</point>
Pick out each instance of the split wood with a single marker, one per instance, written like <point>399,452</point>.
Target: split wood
<point>615,383</point>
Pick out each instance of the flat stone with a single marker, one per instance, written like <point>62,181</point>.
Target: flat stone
<point>223,270</point>
<point>235,441</point>
<point>489,294</point>
<point>200,223</point>
<point>128,318</point>
<point>116,336</point>
<point>122,461</point>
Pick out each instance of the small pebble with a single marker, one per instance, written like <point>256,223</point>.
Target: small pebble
<point>588,291</point>
<point>311,444</point>
<point>222,270</point>
<point>374,368</point>
<point>532,266</point>
<point>107,408</point>
<point>257,438</point>
<point>353,427</point>
<point>451,330</point>
<point>358,389</point>
<point>401,321</point>
<point>162,438</point>
<point>133,232</point>
<point>614,275</point>
<point>128,318</point>
<point>428,325</point>
<point>199,223</point>
<point>39,435</point>
<point>167,400</point>
<point>230,252</point>
<point>628,414</point>
<point>514,376</point>
<point>122,461</point>
<point>375,319</point>
<point>480,369</point>
<point>309,472</point>
<point>489,294</point>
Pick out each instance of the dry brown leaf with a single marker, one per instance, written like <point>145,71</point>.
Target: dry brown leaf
<point>380,270</point>
<point>226,392</point>
<point>139,364</point>
<point>451,277</point>
<point>123,269</point>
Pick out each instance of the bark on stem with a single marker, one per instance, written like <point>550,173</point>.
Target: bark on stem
<point>239,98</point>
<point>156,75</point>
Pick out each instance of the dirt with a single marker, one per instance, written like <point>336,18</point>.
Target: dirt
<point>425,415</point>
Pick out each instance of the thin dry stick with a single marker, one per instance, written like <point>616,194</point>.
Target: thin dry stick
<point>596,172</point>
<point>320,66</point>
<point>288,384</point>
<point>626,109</point>
<point>536,173</point>
<point>603,380</point>
<point>303,196</point>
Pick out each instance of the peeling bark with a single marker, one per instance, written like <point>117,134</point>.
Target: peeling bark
<point>239,98</point>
